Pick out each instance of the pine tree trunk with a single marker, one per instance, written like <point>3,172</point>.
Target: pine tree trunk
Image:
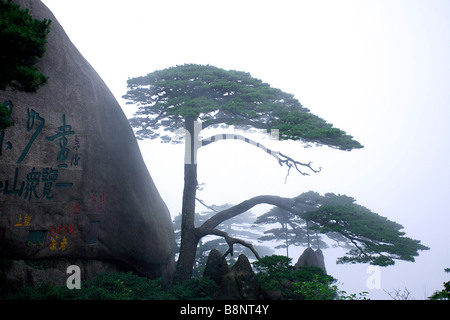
<point>189,238</point>
<point>287,240</point>
<point>307,233</point>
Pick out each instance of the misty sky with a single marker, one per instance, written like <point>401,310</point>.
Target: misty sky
<point>377,69</point>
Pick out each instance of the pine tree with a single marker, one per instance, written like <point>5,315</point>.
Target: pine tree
<point>195,97</point>
<point>23,41</point>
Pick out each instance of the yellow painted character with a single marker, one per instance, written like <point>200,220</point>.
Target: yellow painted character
<point>53,243</point>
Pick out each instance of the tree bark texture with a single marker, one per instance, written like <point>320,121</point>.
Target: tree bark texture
<point>189,238</point>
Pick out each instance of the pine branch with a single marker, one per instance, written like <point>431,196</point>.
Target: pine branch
<point>284,203</point>
<point>233,121</point>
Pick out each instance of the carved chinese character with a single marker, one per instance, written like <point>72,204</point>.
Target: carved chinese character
<point>64,130</point>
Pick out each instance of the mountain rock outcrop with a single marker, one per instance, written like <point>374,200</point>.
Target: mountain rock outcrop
<point>73,183</point>
<point>240,283</point>
<point>313,258</point>
<point>216,267</point>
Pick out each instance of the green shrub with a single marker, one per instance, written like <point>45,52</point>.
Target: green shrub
<point>275,273</point>
<point>107,286</point>
<point>194,289</point>
<point>319,288</point>
<point>307,282</point>
<point>322,288</point>
<point>443,294</point>
<point>120,286</point>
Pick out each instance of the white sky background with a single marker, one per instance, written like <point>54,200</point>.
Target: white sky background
<point>377,69</point>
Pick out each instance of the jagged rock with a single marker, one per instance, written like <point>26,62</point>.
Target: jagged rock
<point>19,274</point>
<point>240,283</point>
<point>308,258</point>
<point>216,267</point>
<point>73,183</point>
<point>313,258</point>
<point>320,260</point>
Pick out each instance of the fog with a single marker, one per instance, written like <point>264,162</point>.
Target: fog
<point>377,69</point>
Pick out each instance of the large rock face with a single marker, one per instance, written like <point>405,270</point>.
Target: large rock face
<point>73,183</point>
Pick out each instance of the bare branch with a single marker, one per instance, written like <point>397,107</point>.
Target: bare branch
<point>230,240</point>
<point>399,295</point>
<point>291,163</point>
<point>205,205</point>
<point>282,159</point>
